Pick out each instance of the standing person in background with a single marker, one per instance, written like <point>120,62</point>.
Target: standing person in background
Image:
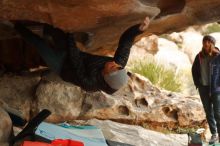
<point>206,77</point>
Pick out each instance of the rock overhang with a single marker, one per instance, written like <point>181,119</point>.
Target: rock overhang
<point>98,24</point>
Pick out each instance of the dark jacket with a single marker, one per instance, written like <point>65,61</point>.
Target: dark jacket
<point>75,66</point>
<point>215,75</point>
<point>85,70</point>
<point>214,72</point>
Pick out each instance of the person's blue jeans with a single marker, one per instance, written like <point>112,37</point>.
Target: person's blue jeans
<point>211,106</point>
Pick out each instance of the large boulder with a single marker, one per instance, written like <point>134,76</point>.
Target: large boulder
<point>19,92</point>
<point>5,127</point>
<point>91,19</point>
<point>169,54</point>
<point>64,100</point>
<point>97,24</point>
<point>137,103</point>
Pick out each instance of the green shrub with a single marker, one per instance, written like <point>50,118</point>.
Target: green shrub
<point>157,74</point>
<point>215,27</point>
<point>165,36</point>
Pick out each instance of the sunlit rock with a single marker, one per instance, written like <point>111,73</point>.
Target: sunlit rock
<point>169,54</point>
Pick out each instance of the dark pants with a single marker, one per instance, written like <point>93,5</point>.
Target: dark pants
<point>211,106</point>
<point>53,58</point>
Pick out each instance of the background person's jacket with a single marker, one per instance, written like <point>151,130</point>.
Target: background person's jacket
<point>214,72</point>
<point>215,75</point>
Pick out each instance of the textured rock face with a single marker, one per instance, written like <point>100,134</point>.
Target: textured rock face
<point>5,127</point>
<point>193,13</point>
<point>94,19</point>
<point>137,103</point>
<point>19,92</point>
<point>64,105</point>
<point>97,24</point>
